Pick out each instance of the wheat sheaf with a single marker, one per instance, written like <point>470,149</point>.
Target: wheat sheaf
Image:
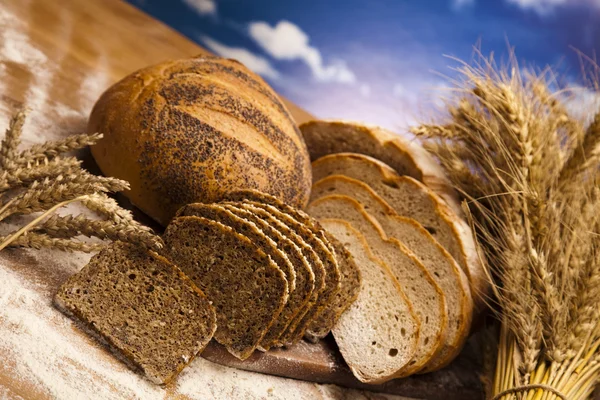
<point>42,179</point>
<point>529,172</point>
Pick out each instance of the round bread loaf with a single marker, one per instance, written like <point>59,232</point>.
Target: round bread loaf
<point>191,130</point>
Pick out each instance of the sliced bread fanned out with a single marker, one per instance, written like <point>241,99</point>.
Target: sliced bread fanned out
<point>305,277</point>
<point>150,313</point>
<point>350,287</point>
<point>409,198</point>
<point>438,261</point>
<point>423,292</point>
<point>217,212</point>
<point>331,272</point>
<point>406,157</point>
<point>378,334</point>
<point>247,289</point>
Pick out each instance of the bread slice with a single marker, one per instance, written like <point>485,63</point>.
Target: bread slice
<point>438,261</point>
<point>217,212</point>
<point>405,156</point>
<point>349,289</point>
<point>246,287</point>
<point>331,274</point>
<point>412,199</point>
<point>148,311</point>
<point>423,292</point>
<point>305,277</point>
<point>378,334</point>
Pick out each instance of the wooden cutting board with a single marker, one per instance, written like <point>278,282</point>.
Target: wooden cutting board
<point>323,363</point>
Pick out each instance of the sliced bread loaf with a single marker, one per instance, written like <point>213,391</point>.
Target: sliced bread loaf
<point>349,289</point>
<point>246,287</point>
<point>331,273</point>
<point>405,156</point>
<point>378,334</point>
<point>412,199</point>
<point>150,313</point>
<point>423,292</point>
<point>217,212</point>
<point>305,277</point>
<point>444,270</point>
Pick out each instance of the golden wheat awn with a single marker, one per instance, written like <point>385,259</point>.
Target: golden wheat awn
<point>41,180</point>
<point>529,174</point>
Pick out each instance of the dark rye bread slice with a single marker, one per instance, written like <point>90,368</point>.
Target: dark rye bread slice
<point>423,292</point>
<point>219,213</point>
<point>315,304</point>
<point>379,333</point>
<point>438,262</point>
<point>410,198</point>
<point>327,257</point>
<point>305,277</point>
<point>350,287</point>
<point>247,289</point>
<point>148,311</point>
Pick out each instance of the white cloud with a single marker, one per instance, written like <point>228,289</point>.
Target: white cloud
<point>286,41</point>
<point>460,4</point>
<point>202,7</point>
<point>545,7</point>
<point>256,63</point>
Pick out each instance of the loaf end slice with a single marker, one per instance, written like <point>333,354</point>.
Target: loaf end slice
<point>143,306</point>
<point>246,287</point>
<point>378,334</point>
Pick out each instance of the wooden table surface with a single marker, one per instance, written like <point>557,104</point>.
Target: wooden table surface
<point>56,58</point>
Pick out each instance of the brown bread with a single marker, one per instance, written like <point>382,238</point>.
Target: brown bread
<point>149,312</point>
<point>316,304</point>
<point>246,287</point>
<point>379,333</point>
<point>349,289</point>
<point>190,130</point>
<point>217,212</point>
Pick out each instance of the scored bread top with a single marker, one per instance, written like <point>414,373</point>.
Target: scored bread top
<point>246,287</point>
<point>305,277</point>
<point>423,292</point>
<point>350,287</point>
<point>438,261</point>
<point>410,198</point>
<point>378,334</point>
<point>316,303</point>
<point>143,306</point>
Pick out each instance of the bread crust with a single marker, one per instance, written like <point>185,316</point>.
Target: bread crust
<point>404,156</point>
<point>190,130</point>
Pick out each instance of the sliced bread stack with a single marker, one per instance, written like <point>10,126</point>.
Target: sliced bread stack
<point>271,271</point>
<point>425,246</point>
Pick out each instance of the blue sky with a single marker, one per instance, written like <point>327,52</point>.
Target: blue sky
<point>381,61</point>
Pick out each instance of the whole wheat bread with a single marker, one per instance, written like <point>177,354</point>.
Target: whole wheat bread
<point>438,261</point>
<point>315,252</point>
<point>349,289</point>
<point>148,311</point>
<point>423,292</point>
<point>246,287</point>
<point>378,334</point>
<point>305,277</point>
<point>410,198</point>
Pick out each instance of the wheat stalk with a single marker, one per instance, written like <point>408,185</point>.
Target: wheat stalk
<point>529,175</point>
<point>40,180</point>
